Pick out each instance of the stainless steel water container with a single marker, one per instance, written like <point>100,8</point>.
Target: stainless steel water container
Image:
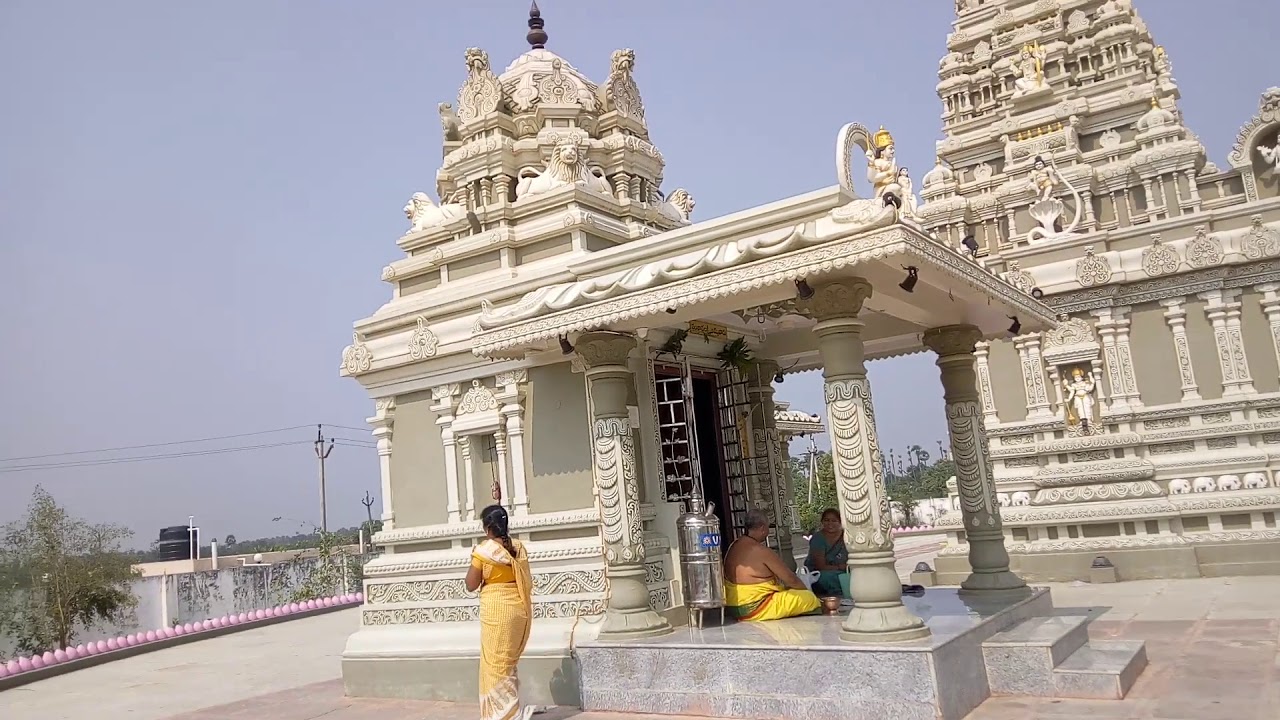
<point>698,533</point>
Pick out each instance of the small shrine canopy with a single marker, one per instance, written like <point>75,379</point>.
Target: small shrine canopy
<point>796,422</point>
<point>745,267</point>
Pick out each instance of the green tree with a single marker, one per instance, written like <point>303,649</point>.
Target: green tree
<point>60,573</point>
<point>824,490</point>
<point>933,483</point>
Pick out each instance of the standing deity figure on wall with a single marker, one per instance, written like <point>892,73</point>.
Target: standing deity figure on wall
<point>1044,178</point>
<point>1079,399</point>
<point>1028,71</point>
<point>910,204</point>
<point>882,169</point>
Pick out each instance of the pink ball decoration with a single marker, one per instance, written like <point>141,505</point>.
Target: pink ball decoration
<point>259,614</point>
<point>60,655</point>
<point>150,636</point>
<point>37,662</point>
<point>271,612</point>
<point>24,664</point>
<point>294,607</point>
<point>132,639</point>
<point>113,644</point>
<point>243,618</point>
<point>217,622</point>
<point>73,654</point>
<point>169,632</point>
<point>207,624</point>
<point>359,597</point>
<point>81,650</point>
<point>48,657</point>
<point>188,628</point>
<point>101,647</point>
<point>325,602</point>
<point>12,667</point>
<point>311,605</point>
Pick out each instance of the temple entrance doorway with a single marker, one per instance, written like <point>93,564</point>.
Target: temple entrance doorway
<point>702,420</point>
<point>689,428</point>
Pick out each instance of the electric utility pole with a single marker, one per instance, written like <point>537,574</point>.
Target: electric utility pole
<point>322,454</point>
<point>367,502</point>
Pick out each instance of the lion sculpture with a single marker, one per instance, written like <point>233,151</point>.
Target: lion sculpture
<point>678,206</point>
<point>424,214</point>
<point>566,166</point>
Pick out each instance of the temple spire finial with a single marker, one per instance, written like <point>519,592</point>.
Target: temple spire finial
<point>537,37</point>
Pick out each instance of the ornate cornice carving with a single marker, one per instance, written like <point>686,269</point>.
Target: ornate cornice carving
<point>1169,286</point>
<point>599,349</point>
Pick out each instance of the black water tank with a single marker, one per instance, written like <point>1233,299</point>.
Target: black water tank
<point>177,532</point>
<point>174,550</point>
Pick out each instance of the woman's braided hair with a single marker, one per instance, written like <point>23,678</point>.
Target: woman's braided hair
<point>494,520</point>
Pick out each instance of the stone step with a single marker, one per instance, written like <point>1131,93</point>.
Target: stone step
<point>1100,670</point>
<point>1021,660</point>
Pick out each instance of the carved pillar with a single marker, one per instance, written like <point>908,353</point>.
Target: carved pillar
<point>767,447</point>
<point>500,450</point>
<point>878,614</point>
<point>445,397</point>
<point>604,357</point>
<point>1270,302</point>
<point>981,352</point>
<point>450,473</point>
<point>1113,331</point>
<point>512,412</point>
<point>954,345</point>
<point>1033,377</point>
<point>468,477</point>
<point>1194,191</point>
<point>1055,390</point>
<point>1175,315</point>
<point>1222,308</point>
<point>383,422</point>
<point>1125,354</point>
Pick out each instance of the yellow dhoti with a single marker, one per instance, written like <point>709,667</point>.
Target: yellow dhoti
<point>768,601</point>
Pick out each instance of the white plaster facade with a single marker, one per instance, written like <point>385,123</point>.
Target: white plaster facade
<point>541,307</point>
<point>1165,268</point>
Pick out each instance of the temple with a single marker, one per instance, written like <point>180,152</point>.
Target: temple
<point>1147,424</point>
<point>564,339</point>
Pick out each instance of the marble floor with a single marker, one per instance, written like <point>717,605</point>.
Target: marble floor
<point>1213,644</point>
<point>946,612</point>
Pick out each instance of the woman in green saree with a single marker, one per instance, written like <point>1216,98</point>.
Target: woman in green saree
<point>828,556</point>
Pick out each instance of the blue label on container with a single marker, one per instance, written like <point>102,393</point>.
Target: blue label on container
<point>709,540</point>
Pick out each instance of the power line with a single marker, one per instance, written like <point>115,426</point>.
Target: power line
<point>344,427</point>
<point>155,445</point>
<point>145,458</point>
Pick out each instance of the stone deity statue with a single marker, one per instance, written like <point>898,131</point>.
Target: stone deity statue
<point>1029,69</point>
<point>882,169</point>
<point>1078,399</point>
<point>910,204</point>
<point>1271,154</point>
<point>1043,178</point>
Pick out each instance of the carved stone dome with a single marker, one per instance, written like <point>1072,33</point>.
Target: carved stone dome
<point>540,77</point>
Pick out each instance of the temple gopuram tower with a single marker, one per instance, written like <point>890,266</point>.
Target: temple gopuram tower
<point>1144,432</point>
<point>541,168</point>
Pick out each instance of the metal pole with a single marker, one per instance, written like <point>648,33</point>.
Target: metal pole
<point>322,454</point>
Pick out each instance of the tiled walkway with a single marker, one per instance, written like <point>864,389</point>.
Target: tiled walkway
<point>1213,646</point>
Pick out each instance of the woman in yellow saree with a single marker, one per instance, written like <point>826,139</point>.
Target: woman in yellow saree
<point>500,569</point>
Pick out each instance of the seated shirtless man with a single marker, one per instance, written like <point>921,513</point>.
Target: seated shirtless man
<point>758,585</point>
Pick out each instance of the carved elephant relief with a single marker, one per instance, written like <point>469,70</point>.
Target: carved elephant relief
<point>1255,481</point>
<point>1204,484</point>
<point>1003,499</point>
<point>1021,499</point>
<point>1179,486</point>
<point>1229,482</point>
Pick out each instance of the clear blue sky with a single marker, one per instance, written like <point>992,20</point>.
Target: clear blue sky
<point>196,201</point>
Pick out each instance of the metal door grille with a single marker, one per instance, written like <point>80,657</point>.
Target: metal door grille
<point>678,453</point>
<point>740,458</point>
